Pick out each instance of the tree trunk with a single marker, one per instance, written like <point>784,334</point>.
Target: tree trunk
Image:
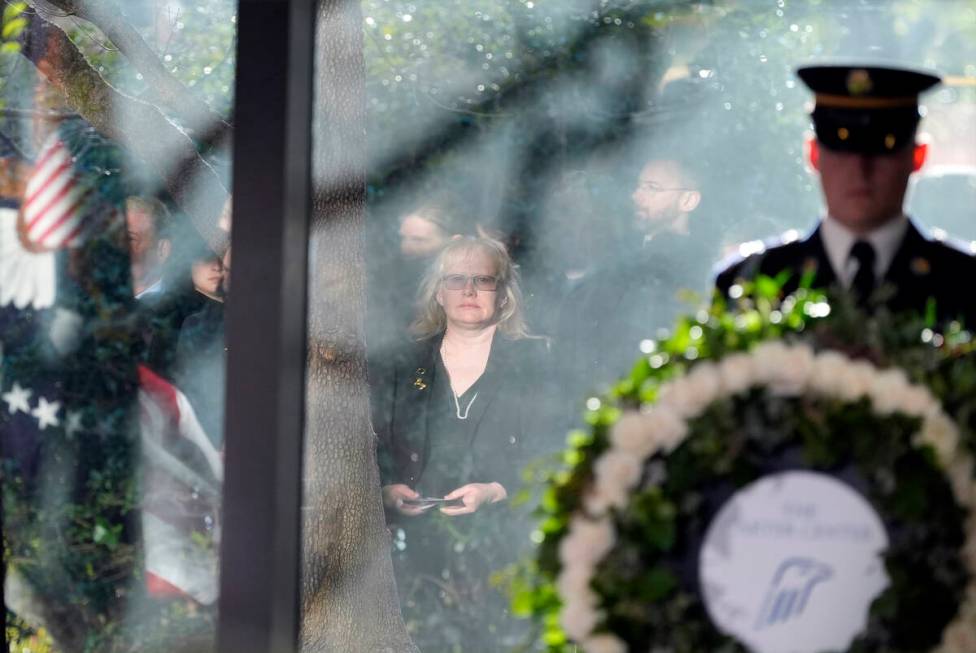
<point>349,600</point>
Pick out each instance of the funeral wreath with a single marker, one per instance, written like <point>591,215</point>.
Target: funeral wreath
<point>732,397</point>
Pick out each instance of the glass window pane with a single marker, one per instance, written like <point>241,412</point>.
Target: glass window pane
<point>542,188</point>
<point>114,223</point>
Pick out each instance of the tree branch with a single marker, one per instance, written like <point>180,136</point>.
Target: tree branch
<point>164,88</point>
<point>138,126</point>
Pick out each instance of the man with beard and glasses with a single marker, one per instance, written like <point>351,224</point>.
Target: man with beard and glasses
<point>638,289</point>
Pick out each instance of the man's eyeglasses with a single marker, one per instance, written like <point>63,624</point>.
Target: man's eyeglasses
<point>480,281</point>
<point>655,187</point>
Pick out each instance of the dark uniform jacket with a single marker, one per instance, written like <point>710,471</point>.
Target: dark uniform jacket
<point>509,424</point>
<point>922,268</point>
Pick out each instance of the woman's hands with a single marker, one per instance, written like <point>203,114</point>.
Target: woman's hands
<point>394,496</point>
<point>473,496</point>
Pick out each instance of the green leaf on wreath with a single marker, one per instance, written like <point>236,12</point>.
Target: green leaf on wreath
<point>658,584</point>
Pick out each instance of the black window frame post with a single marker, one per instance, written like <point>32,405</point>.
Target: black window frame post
<point>266,328</point>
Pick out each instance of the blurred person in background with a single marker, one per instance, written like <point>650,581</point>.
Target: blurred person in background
<point>147,226</point>
<point>637,290</point>
<point>458,414</point>
<point>201,355</point>
<point>193,280</point>
<point>572,238</point>
<point>423,229</point>
<point>865,152</point>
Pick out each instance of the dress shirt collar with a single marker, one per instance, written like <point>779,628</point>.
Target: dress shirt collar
<point>838,240</point>
<point>153,290</point>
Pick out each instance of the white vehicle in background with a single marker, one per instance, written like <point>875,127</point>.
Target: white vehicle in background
<point>943,199</point>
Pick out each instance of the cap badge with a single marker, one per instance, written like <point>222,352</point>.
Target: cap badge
<point>859,82</point>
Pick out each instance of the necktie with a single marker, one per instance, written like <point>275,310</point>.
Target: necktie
<point>863,284</point>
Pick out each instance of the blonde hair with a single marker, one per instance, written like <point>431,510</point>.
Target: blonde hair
<point>431,319</point>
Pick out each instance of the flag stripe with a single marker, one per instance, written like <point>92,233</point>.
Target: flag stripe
<point>67,221</point>
<point>46,181</point>
<point>40,168</point>
<point>72,238</point>
<point>66,207</point>
<point>54,200</point>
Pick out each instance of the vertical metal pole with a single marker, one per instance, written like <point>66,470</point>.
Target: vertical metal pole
<point>266,326</point>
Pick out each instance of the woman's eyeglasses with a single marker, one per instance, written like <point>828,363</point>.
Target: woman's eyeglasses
<point>460,281</point>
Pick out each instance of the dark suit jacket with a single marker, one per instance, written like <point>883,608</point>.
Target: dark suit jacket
<point>922,268</point>
<point>604,317</point>
<point>511,420</point>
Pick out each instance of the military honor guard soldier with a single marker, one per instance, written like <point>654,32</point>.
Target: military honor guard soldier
<point>865,151</point>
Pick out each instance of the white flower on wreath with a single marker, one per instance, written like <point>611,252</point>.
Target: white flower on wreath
<point>940,432</point>
<point>601,498</point>
<point>604,643</point>
<point>617,468</point>
<point>828,368</point>
<point>575,581</point>
<point>855,381</point>
<point>768,358</point>
<point>960,473</point>
<point>785,369</point>
<point>737,373</point>
<point>888,391</point>
<point>587,542</point>
<point>795,373</point>
<point>633,434</point>
<point>959,637</point>
<point>668,429</point>
<point>917,400</point>
<point>578,619</point>
<point>690,394</point>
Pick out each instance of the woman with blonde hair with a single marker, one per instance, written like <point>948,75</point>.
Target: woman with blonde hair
<point>461,413</point>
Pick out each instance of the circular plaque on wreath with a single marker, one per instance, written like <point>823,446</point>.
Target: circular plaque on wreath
<point>776,501</point>
<point>792,562</point>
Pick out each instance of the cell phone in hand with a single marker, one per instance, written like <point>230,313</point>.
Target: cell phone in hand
<point>426,503</point>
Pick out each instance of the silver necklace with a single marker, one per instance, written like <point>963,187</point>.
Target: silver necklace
<point>457,405</point>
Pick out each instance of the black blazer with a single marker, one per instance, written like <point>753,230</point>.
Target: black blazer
<point>922,268</point>
<point>511,422</point>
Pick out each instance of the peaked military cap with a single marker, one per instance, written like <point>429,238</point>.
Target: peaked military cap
<point>870,109</point>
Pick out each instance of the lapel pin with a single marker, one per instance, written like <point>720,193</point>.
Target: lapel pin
<point>419,382</point>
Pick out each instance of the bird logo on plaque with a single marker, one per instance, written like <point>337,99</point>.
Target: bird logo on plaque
<point>792,562</point>
<point>790,590</point>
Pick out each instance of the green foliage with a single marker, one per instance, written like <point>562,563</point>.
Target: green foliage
<point>23,638</point>
<point>644,601</point>
<point>12,25</point>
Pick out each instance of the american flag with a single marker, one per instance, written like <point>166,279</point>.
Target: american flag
<point>54,199</point>
<point>181,494</point>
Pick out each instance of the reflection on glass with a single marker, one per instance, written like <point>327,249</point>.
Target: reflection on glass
<point>600,158</point>
<point>112,282</point>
